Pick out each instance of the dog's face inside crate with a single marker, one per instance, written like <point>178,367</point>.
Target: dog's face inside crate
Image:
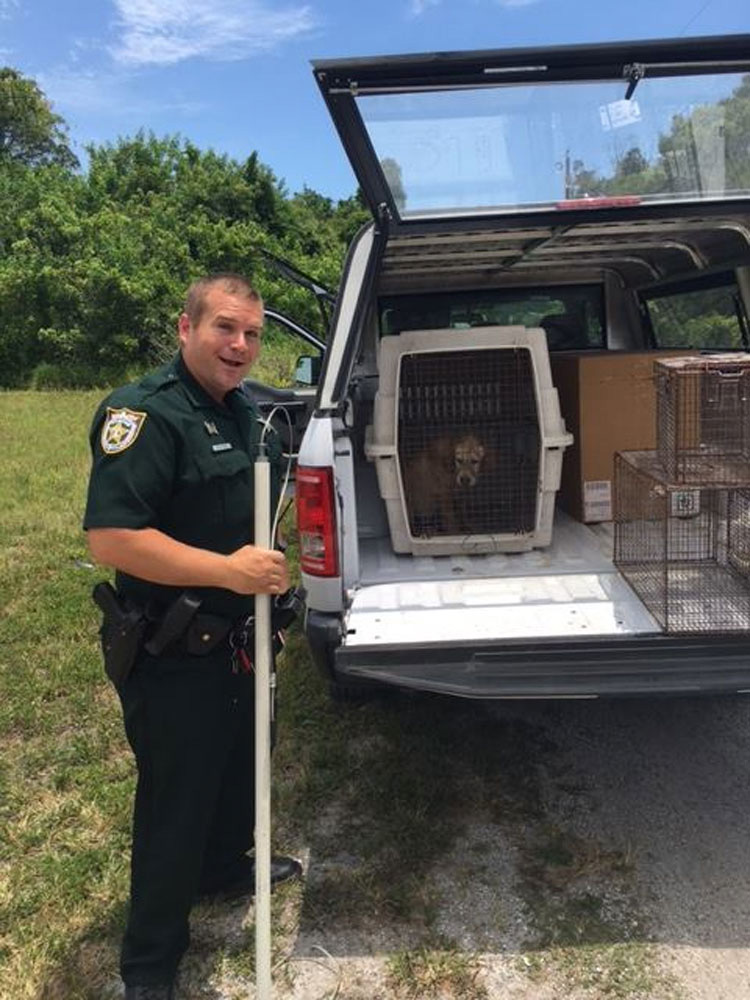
<point>469,441</point>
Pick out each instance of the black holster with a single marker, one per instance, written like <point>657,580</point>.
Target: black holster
<point>121,632</point>
<point>286,607</point>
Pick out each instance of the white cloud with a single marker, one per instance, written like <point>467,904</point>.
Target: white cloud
<point>417,7</point>
<point>7,8</point>
<point>167,31</point>
<point>97,91</point>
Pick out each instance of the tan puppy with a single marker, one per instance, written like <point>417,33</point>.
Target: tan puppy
<point>467,460</point>
<point>435,477</point>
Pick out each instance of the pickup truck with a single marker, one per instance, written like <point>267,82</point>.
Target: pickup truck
<point>535,213</point>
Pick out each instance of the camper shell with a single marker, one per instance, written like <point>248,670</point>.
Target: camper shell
<point>546,224</point>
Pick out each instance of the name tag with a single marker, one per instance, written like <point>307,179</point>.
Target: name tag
<point>222,446</point>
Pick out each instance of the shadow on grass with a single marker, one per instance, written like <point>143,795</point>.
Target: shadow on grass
<point>432,829</point>
<point>87,968</point>
<point>426,822</point>
<point>381,791</point>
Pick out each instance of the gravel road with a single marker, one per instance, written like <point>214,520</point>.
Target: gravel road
<point>670,779</point>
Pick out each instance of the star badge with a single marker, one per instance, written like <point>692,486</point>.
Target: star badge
<point>120,429</point>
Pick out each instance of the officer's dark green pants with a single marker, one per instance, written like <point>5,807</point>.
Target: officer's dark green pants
<point>190,724</point>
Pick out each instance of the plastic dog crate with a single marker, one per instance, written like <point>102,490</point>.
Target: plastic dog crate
<point>685,550</point>
<point>703,419</point>
<point>467,440</point>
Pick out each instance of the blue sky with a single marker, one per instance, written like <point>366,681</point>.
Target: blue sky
<point>234,75</point>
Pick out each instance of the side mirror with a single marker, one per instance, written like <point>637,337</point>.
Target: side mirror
<point>308,369</point>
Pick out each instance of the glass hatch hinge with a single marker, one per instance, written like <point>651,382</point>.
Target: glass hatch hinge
<point>634,72</point>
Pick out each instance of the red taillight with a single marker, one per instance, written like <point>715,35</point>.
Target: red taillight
<point>316,521</point>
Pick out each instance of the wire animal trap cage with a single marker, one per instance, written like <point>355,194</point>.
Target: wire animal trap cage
<point>467,439</point>
<point>703,418</point>
<point>685,550</point>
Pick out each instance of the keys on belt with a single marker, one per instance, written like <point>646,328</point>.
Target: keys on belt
<point>240,639</point>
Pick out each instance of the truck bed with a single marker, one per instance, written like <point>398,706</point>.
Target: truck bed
<point>569,589</point>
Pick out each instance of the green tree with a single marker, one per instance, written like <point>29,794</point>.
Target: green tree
<point>351,214</point>
<point>93,265</point>
<point>705,151</point>
<point>30,132</point>
<point>633,162</point>
<point>395,179</point>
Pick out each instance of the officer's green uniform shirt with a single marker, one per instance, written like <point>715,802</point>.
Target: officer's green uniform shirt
<point>167,456</point>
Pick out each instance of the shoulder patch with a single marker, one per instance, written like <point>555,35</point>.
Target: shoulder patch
<point>121,427</point>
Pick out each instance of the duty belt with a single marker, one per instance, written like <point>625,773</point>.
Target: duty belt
<point>181,629</point>
<point>206,633</point>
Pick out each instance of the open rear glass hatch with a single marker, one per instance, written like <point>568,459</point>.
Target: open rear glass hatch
<point>629,156</point>
<point>540,131</point>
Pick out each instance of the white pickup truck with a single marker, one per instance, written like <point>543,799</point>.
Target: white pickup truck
<point>536,213</point>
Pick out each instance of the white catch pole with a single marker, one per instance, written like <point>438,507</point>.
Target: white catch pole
<point>263,701</point>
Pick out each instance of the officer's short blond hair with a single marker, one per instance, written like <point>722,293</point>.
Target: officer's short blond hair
<point>233,284</point>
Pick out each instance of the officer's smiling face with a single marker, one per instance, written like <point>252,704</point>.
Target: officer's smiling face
<point>220,348</point>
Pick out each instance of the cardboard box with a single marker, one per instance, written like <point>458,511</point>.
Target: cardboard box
<point>608,402</point>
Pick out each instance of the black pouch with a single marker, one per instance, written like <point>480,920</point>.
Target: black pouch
<point>121,632</point>
<point>205,633</point>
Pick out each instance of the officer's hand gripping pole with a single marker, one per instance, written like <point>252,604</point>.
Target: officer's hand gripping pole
<point>264,683</point>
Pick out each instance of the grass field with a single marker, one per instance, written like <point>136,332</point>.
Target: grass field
<point>65,780</point>
<point>378,795</point>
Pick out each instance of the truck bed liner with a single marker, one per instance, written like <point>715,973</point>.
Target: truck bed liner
<point>576,548</point>
<point>570,589</point>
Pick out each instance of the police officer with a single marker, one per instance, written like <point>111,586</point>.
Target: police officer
<point>170,508</point>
